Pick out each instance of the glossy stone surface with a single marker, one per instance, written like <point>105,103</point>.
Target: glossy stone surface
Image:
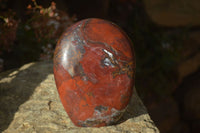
<point>94,67</point>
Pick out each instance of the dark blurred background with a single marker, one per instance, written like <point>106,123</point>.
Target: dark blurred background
<point>165,35</point>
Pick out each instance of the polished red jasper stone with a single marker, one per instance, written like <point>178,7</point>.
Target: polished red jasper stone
<point>94,69</point>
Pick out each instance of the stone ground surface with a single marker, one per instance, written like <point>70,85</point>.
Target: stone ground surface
<point>29,103</point>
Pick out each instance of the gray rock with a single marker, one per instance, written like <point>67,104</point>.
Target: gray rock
<point>29,103</point>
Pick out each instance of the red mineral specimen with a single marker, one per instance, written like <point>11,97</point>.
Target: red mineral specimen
<point>94,67</point>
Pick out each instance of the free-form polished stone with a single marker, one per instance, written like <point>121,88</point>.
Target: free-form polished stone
<point>94,69</point>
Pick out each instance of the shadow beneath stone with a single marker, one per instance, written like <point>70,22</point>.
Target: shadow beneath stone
<point>134,109</point>
<point>16,87</point>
